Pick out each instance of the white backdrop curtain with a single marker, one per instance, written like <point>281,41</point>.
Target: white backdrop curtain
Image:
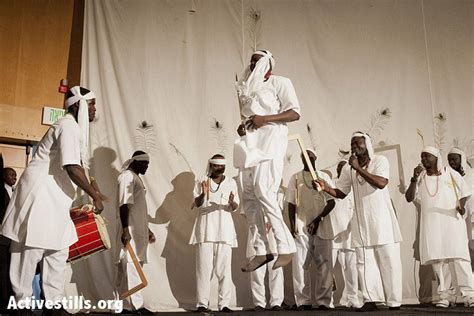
<point>164,75</point>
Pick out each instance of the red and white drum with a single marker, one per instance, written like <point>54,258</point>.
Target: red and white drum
<point>92,233</point>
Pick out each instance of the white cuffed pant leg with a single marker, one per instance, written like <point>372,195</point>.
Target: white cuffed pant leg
<point>347,260</point>
<point>127,278</point>
<point>388,262</point>
<point>254,214</point>
<point>461,275</point>
<point>24,260</point>
<point>213,258</point>
<point>322,257</point>
<point>275,284</point>
<point>260,190</point>
<point>301,276</point>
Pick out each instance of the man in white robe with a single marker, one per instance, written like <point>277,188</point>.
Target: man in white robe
<point>376,224</point>
<point>307,208</point>
<point>37,219</point>
<point>216,198</point>
<point>442,194</point>
<point>268,103</point>
<point>457,160</point>
<point>134,227</point>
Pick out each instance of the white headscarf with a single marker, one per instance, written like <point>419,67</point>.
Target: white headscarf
<point>435,152</point>
<point>252,80</point>
<point>82,119</point>
<point>141,157</point>
<point>368,143</point>
<point>464,165</point>
<point>214,161</point>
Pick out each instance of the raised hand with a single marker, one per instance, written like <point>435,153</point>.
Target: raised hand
<point>354,162</point>
<point>205,187</point>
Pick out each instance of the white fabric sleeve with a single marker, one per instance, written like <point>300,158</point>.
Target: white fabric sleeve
<point>235,191</point>
<point>287,95</point>
<point>290,195</point>
<point>126,188</point>
<point>462,188</point>
<point>382,167</point>
<point>329,181</point>
<point>344,183</point>
<point>68,137</point>
<point>197,188</point>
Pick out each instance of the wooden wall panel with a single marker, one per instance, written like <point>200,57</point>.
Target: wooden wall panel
<point>35,38</point>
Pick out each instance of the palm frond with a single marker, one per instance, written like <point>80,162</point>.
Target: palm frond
<point>378,122</point>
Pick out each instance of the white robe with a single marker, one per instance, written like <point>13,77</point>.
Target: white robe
<point>374,217</point>
<point>133,193</point>
<point>214,221</point>
<point>38,213</point>
<point>269,142</point>
<point>443,232</point>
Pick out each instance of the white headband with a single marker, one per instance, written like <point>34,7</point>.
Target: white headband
<point>82,119</point>
<point>141,157</point>
<point>368,143</point>
<point>435,152</point>
<point>217,161</point>
<point>461,153</point>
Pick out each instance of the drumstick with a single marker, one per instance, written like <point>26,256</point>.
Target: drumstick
<point>136,263</point>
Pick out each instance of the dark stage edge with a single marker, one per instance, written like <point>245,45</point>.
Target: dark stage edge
<point>404,310</point>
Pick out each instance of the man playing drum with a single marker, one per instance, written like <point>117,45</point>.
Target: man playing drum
<point>37,219</point>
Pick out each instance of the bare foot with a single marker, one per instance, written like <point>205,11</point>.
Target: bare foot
<point>257,262</point>
<point>282,260</point>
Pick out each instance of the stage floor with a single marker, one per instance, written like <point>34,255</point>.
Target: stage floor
<point>404,310</point>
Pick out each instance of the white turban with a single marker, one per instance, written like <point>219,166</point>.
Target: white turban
<point>141,157</point>
<point>435,152</point>
<point>82,119</point>
<point>214,161</point>
<point>368,143</point>
<point>253,80</point>
<point>458,151</point>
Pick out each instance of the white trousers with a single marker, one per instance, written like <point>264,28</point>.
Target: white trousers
<point>313,251</point>
<point>212,257</point>
<point>461,274</point>
<point>260,189</point>
<point>387,259</point>
<point>127,278</point>
<point>23,267</point>
<point>347,260</point>
<point>275,282</point>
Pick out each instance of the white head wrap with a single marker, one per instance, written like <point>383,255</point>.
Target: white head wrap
<point>142,157</point>
<point>82,119</point>
<point>252,80</point>
<point>435,152</point>
<point>214,161</point>
<point>368,143</point>
<point>458,151</point>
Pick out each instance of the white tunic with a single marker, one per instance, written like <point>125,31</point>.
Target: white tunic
<point>442,229</point>
<point>38,214</point>
<point>132,192</point>
<point>469,179</point>
<point>309,202</point>
<point>374,217</point>
<point>277,95</point>
<point>342,221</point>
<point>214,221</point>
